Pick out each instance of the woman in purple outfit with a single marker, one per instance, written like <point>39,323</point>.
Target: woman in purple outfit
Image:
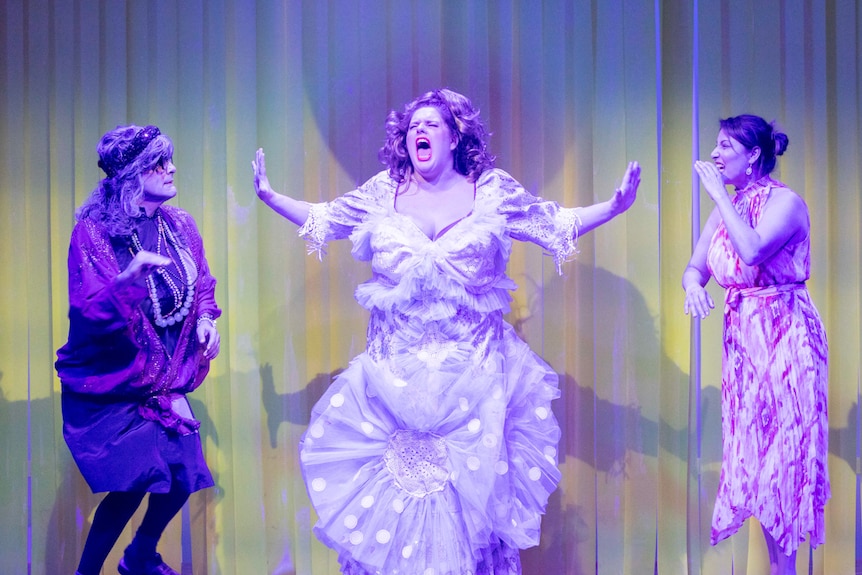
<point>435,451</point>
<point>756,244</point>
<point>142,332</point>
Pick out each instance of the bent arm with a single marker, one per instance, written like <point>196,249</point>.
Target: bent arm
<point>784,219</point>
<point>102,299</point>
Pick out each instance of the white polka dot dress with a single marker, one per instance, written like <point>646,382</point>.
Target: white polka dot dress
<point>435,451</point>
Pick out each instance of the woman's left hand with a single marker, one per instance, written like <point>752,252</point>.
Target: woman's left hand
<point>208,335</point>
<point>625,195</point>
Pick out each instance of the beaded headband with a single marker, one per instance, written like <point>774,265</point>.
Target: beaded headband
<point>142,139</point>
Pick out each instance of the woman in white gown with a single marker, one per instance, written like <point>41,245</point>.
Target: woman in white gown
<point>435,451</point>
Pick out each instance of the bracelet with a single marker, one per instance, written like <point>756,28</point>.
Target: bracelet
<point>206,317</point>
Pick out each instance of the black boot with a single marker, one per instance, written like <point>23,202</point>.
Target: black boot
<point>153,565</point>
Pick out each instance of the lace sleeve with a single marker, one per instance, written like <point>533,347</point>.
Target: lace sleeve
<point>533,219</point>
<point>337,219</point>
<point>314,230</point>
<point>565,245</point>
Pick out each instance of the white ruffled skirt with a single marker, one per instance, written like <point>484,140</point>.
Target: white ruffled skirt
<point>433,461</point>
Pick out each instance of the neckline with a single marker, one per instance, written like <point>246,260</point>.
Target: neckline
<point>143,217</point>
<point>755,185</point>
<point>445,228</point>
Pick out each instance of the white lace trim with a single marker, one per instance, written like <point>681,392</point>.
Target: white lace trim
<point>565,247</point>
<point>314,230</point>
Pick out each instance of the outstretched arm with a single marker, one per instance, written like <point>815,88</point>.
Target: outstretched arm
<point>597,214</point>
<point>294,210</point>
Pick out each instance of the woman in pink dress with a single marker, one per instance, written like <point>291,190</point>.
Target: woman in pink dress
<point>774,369</point>
<point>435,451</point>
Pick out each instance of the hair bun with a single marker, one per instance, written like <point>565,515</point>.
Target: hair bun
<point>781,140</point>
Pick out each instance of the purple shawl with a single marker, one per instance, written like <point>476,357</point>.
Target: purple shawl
<point>113,347</point>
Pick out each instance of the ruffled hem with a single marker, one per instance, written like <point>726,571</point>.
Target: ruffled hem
<point>790,514</point>
<point>729,518</point>
<point>500,457</point>
<point>786,542</point>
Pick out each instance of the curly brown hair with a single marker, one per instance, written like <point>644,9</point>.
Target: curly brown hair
<point>116,201</point>
<point>471,154</point>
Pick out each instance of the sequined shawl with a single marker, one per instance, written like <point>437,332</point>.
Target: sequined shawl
<point>113,347</point>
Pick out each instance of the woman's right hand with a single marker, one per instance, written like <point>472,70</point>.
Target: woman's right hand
<point>143,264</point>
<point>712,180</point>
<point>698,302</point>
<point>294,210</point>
<point>261,182</point>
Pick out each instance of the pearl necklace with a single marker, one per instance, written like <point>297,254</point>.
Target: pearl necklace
<point>182,306</point>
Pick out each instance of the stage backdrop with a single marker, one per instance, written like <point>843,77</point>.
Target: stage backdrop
<point>572,90</point>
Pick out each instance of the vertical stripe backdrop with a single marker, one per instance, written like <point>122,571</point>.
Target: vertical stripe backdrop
<point>571,89</point>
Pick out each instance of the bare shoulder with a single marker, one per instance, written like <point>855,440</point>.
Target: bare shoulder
<point>781,190</point>
<point>786,200</point>
<point>789,208</point>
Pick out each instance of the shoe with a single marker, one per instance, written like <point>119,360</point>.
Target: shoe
<point>152,566</point>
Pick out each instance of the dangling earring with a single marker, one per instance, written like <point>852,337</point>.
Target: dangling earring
<point>748,170</point>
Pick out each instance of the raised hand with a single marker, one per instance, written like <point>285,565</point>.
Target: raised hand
<point>712,180</point>
<point>261,182</point>
<point>625,195</point>
<point>294,210</point>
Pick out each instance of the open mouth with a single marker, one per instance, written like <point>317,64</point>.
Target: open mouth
<point>423,149</point>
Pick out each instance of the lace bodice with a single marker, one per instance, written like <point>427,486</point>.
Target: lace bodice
<point>464,266</point>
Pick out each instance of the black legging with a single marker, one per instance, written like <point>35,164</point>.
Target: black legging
<point>115,511</point>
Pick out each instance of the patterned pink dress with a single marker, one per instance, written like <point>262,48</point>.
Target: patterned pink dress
<point>774,382</point>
